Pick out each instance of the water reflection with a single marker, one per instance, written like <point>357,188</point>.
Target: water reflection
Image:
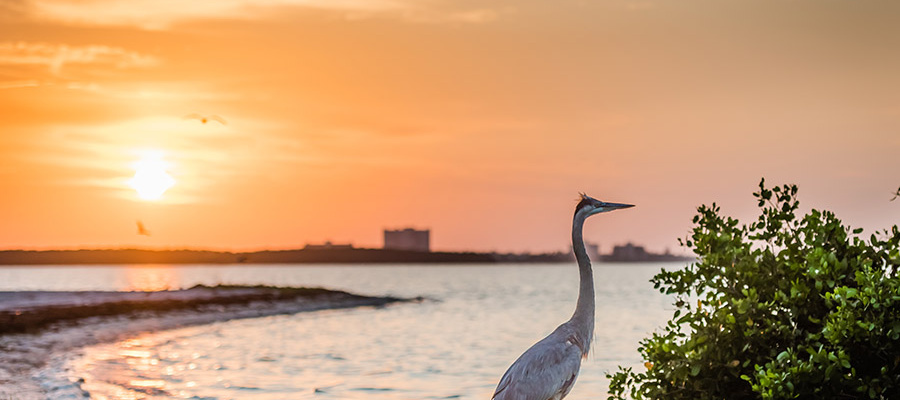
<point>151,278</point>
<point>455,347</point>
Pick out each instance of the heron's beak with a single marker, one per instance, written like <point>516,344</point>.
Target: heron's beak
<point>616,206</point>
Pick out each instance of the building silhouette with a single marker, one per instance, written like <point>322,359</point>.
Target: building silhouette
<point>629,253</point>
<point>328,246</point>
<point>592,249</point>
<point>407,239</point>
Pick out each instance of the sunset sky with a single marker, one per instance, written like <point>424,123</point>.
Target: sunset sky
<point>481,120</point>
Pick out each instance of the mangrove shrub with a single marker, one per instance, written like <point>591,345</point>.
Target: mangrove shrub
<point>783,307</point>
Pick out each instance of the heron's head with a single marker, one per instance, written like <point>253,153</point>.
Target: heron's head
<point>591,206</point>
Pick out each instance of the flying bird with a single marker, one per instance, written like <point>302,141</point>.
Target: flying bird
<point>896,195</point>
<point>141,230</point>
<point>548,369</point>
<point>204,119</point>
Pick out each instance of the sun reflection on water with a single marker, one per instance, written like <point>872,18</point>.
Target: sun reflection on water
<point>152,278</point>
<point>147,383</point>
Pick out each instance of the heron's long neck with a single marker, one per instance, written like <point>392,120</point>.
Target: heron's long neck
<point>583,318</point>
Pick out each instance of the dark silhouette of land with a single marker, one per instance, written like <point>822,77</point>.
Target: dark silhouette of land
<point>33,318</point>
<point>308,255</point>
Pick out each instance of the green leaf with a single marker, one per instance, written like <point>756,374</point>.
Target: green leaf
<point>781,356</point>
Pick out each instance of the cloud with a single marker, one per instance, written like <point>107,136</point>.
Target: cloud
<point>56,56</point>
<point>476,16</point>
<point>19,84</point>
<point>201,156</point>
<point>471,16</point>
<point>161,14</point>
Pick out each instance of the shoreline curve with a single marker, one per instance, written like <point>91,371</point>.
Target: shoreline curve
<point>38,329</point>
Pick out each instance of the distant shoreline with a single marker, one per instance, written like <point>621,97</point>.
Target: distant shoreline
<point>299,256</point>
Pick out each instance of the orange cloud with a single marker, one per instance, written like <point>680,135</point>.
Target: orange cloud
<point>160,15</point>
<point>56,56</point>
<point>156,15</point>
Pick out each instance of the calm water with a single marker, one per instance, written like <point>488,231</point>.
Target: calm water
<point>454,346</point>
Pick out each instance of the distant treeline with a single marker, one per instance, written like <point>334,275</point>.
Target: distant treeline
<point>305,256</point>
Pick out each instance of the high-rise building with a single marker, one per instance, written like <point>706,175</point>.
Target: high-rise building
<point>592,250</point>
<point>407,239</point>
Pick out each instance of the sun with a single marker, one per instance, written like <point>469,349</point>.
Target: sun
<point>150,177</point>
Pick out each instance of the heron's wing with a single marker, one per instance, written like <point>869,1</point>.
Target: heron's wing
<point>218,119</point>
<point>546,370</point>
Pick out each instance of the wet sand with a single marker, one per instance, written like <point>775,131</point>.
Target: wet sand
<point>38,330</point>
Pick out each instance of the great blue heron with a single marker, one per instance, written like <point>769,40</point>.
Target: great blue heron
<point>548,369</point>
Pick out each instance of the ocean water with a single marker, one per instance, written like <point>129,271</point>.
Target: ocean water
<point>456,344</point>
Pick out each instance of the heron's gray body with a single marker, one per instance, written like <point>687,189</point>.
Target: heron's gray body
<point>548,369</point>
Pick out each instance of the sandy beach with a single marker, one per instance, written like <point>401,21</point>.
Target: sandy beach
<point>40,330</point>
